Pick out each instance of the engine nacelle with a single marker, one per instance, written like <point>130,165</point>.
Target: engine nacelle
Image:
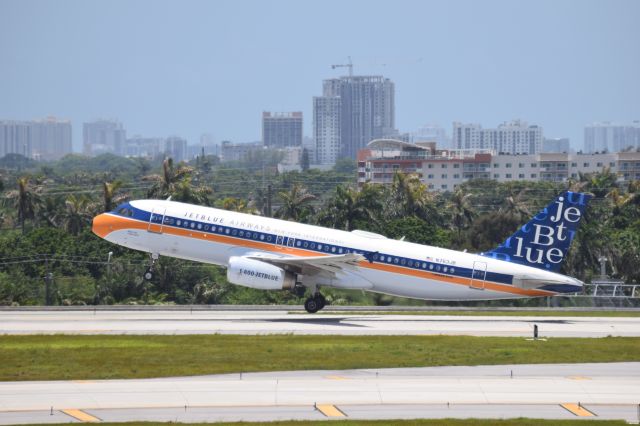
<point>256,274</point>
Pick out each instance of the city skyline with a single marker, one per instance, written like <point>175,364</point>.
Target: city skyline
<point>565,66</point>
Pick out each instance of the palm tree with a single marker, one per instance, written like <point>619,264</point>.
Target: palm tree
<point>237,205</point>
<point>165,184</point>
<point>186,192</point>
<point>459,207</point>
<point>602,182</point>
<point>77,214</point>
<point>409,197</point>
<point>295,203</point>
<point>109,195</point>
<point>25,200</point>
<point>49,210</point>
<point>599,184</point>
<point>515,207</point>
<point>349,207</point>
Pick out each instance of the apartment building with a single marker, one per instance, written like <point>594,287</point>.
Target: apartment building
<point>46,139</point>
<point>511,137</point>
<point>444,169</point>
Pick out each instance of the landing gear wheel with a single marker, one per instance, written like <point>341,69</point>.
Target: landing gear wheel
<point>311,305</point>
<point>320,301</point>
<point>148,274</point>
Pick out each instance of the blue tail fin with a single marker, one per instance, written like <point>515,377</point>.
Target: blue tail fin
<point>544,241</point>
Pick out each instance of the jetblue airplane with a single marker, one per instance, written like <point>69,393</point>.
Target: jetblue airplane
<point>271,254</point>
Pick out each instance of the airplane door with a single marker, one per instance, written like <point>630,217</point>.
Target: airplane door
<point>478,275</point>
<point>156,221</point>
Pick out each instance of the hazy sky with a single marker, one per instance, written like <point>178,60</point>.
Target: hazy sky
<point>188,67</point>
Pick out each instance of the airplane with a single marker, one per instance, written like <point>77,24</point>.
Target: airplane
<point>272,254</point>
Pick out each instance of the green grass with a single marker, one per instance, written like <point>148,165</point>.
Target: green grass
<point>418,422</point>
<point>65,357</point>
<point>492,313</point>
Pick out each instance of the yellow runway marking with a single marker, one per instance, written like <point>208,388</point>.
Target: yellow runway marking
<point>577,410</point>
<point>81,415</point>
<point>578,378</point>
<point>336,378</point>
<point>330,410</point>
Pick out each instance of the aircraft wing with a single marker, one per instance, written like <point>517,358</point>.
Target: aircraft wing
<point>329,265</point>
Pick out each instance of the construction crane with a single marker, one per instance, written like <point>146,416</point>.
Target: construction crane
<point>349,65</point>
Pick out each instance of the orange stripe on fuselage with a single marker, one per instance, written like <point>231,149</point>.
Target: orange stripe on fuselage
<point>117,223</point>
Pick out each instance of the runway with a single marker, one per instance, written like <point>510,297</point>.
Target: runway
<point>285,322</point>
<point>605,391</point>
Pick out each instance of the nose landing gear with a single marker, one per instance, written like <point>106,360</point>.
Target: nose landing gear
<point>148,274</point>
<point>315,303</point>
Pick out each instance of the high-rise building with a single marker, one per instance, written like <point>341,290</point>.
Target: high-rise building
<point>138,146</point>
<point>327,119</point>
<point>102,136</point>
<point>365,106</point>
<point>15,138</point>
<point>281,129</point>
<point>47,139</point>
<point>513,137</point>
<point>238,151</point>
<point>431,133</point>
<point>555,145</point>
<point>607,137</point>
<point>176,148</point>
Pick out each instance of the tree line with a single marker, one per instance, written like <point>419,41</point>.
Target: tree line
<point>48,253</point>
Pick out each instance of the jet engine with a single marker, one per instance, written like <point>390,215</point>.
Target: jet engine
<point>256,274</point>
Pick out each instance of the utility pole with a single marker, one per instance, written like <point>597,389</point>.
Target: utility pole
<point>269,200</point>
<point>48,279</point>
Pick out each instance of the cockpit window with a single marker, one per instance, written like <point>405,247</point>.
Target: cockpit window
<point>124,210</point>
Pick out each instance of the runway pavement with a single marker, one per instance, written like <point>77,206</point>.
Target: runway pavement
<point>605,391</point>
<point>274,322</point>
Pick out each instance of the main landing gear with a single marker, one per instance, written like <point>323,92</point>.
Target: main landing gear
<point>148,274</point>
<point>315,303</point>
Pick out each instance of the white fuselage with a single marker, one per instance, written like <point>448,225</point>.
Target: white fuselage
<point>393,267</point>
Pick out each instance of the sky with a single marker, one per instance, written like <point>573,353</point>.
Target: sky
<point>191,67</point>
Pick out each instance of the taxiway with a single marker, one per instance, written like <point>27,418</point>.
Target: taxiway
<point>605,391</point>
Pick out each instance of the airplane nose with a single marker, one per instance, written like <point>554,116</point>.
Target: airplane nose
<point>101,225</point>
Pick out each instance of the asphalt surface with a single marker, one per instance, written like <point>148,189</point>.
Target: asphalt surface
<point>279,322</point>
<point>604,391</point>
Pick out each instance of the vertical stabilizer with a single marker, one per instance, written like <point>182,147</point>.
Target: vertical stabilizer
<point>545,240</point>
